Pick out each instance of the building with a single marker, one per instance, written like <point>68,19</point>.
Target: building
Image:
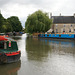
<point>63,24</point>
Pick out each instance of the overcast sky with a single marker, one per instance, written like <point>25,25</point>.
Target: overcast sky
<point>22,8</point>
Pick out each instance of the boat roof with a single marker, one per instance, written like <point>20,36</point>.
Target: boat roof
<point>12,48</point>
<point>2,38</point>
<point>7,50</point>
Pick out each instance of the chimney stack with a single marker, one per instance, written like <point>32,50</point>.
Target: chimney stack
<point>74,15</point>
<point>60,14</point>
<point>50,15</point>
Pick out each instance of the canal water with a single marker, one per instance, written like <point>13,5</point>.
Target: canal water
<point>42,57</point>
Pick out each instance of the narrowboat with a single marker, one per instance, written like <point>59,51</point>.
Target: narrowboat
<point>57,36</point>
<point>8,50</point>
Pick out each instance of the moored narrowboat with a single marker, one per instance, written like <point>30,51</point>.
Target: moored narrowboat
<point>57,36</point>
<point>8,51</point>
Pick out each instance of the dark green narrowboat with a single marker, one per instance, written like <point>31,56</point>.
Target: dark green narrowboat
<point>9,51</point>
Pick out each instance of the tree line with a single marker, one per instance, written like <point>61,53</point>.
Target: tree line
<point>10,24</point>
<point>36,22</point>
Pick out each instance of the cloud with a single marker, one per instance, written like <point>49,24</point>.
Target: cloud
<point>22,8</point>
<point>3,2</point>
<point>22,11</point>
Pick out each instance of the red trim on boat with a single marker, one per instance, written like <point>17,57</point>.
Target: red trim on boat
<point>3,38</point>
<point>13,53</point>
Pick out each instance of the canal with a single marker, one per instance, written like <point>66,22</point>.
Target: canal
<point>42,57</point>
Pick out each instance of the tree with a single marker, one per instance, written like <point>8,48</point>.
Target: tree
<point>38,22</point>
<point>1,21</point>
<point>15,23</point>
<point>10,24</point>
<point>6,27</point>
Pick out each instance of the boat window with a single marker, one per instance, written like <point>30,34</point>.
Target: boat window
<point>47,35</point>
<point>5,45</point>
<point>69,35</point>
<point>1,45</point>
<point>59,35</point>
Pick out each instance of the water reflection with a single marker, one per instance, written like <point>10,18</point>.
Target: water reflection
<point>60,46</point>
<point>62,43</point>
<point>51,57</point>
<point>36,50</point>
<point>10,69</point>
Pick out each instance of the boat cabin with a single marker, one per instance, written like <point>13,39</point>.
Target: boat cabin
<point>6,46</point>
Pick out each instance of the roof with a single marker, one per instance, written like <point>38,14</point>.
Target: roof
<point>50,30</point>
<point>63,19</point>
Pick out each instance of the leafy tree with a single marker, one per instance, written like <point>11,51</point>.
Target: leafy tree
<point>6,27</point>
<point>1,21</point>
<point>15,23</point>
<point>4,24</point>
<point>38,22</point>
<point>10,24</point>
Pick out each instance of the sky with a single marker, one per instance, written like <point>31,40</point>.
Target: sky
<point>22,8</point>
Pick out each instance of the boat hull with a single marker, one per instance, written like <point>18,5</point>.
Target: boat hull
<point>9,57</point>
<point>13,58</point>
